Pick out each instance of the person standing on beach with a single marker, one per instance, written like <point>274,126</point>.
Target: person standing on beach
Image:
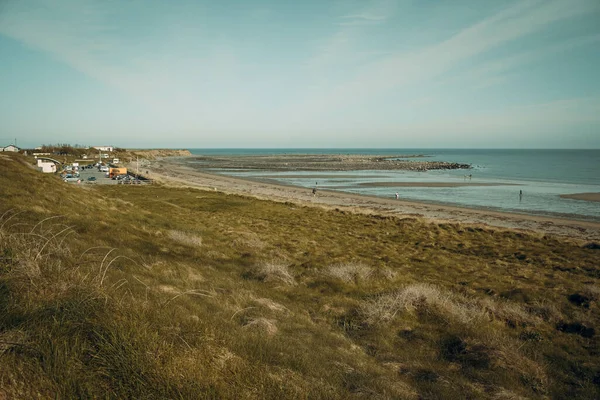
<point>520,195</point>
<point>396,195</point>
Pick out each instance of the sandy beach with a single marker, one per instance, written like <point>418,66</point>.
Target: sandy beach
<point>582,196</point>
<point>172,171</point>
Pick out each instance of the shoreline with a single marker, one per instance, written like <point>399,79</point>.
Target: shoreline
<point>173,171</point>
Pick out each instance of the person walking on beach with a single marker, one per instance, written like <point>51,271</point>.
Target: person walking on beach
<point>314,191</point>
<point>396,195</point>
<point>520,195</point>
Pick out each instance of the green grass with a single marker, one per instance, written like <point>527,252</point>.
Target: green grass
<point>160,292</point>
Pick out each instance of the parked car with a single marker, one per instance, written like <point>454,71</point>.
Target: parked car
<point>91,178</point>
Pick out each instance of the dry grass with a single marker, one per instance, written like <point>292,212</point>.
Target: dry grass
<point>97,302</point>
<point>185,238</point>
<point>247,240</point>
<point>272,305</point>
<point>422,297</point>
<point>275,271</point>
<point>262,325</point>
<point>349,272</point>
<point>454,307</point>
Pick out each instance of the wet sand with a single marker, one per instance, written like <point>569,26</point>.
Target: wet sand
<point>430,184</point>
<point>321,176</point>
<point>582,196</point>
<point>173,171</point>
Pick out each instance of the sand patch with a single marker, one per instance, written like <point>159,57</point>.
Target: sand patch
<point>582,196</point>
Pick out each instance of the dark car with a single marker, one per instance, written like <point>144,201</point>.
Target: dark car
<point>91,178</point>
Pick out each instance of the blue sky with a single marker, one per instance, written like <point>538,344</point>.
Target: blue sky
<point>383,73</point>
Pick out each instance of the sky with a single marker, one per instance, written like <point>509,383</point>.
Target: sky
<point>306,74</point>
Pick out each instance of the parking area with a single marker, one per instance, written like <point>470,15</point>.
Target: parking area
<point>93,176</point>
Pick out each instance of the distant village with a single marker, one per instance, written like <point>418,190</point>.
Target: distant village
<point>78,164</point>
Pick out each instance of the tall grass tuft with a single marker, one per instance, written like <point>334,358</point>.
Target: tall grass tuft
<point>349,272</point>
<point>454,307</point>
<point>185,238</point>
<point>275,271</point>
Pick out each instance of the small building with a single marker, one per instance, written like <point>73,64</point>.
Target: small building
<point>10,147</point>
<point>104,148</point>
<point>47,165</point>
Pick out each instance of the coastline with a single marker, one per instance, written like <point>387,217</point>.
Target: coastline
<point>172,171</point>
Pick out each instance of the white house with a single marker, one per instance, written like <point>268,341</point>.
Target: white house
<point>46,166</point>
<point>104,148</point>
<point>10,147</point>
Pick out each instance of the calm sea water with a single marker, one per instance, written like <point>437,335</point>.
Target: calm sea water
<point>542,175</point>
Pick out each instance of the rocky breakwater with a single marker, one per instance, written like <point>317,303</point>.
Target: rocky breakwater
<point>420,165</point>
<point>314,162</point>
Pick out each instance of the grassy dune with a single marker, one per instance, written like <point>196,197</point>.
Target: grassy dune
<point>156,292</point>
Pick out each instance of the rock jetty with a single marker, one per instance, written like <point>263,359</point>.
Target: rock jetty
<point>311,162</point>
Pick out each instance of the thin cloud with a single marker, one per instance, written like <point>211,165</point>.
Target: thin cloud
<point>96,47</point>
<point>500,70</point>
<point>339,48</point>
<point>361,19</point>
<point>546,116</point>
<point>401,69</point>
<point>365,16</point>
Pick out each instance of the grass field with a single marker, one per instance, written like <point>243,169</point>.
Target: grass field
<point>157,292</point>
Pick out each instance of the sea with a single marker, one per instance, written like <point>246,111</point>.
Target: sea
<point>541,175</point>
